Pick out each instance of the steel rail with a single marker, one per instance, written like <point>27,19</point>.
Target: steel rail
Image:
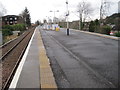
<point>6,85</point>
<point>3,56</point>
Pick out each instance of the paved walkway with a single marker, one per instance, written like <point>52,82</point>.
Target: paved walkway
<point>34,70</point>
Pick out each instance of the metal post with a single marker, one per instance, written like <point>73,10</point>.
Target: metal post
<point>54,16</point>
<point>79,21</point>
<point>67,18</point>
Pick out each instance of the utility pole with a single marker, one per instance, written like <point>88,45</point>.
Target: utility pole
<point>67,14</point>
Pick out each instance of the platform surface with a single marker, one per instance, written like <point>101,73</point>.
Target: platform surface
<point>30,72</point>
<point>29,77</point>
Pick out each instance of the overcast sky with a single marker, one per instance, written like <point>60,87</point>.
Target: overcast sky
<point>39,9</point>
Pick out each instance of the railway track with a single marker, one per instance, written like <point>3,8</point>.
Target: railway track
<point>11,56</point>
<point>7,46</point>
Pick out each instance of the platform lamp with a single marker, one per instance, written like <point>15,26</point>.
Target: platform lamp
<point>54,14</point>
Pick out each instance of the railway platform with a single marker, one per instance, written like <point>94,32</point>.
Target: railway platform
<point>80,60</point>
<point>34,70</point>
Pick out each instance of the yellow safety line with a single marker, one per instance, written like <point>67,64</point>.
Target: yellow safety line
<point>46,75</point>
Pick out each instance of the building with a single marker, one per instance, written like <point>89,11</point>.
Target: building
<point>12,19</point>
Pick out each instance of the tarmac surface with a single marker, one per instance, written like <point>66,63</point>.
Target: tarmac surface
<point>82,60</point>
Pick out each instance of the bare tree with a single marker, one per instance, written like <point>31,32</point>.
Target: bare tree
<point>104,9</point>
<point>84,9</point>
<point>62,18</point>
<point>2,9</point>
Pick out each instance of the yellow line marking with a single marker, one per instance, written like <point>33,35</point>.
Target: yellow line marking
<point>46,75</point>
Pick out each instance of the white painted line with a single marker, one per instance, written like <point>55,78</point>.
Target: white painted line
<point>19,69</point>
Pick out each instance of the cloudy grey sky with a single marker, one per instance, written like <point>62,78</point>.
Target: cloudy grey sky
<point>39,9</point>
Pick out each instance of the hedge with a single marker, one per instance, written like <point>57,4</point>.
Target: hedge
<point>16,27</point>
<point>7,32</point>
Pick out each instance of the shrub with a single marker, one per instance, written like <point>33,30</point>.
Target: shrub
<point>18,27</point>
<point>105,30</point>
<point>91,27</point>
<point>7,27</point>
<point>60,26</point>
<point>117,34</point>
<point>6,32</point>
<point>97,29</point>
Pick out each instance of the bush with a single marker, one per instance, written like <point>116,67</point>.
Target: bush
<point>97,29</point>
<point>7,27</point>
<point>18,27</point>
<point>117,34</point>
<point>6,32</point>
<point>61,27</point>
<point>94,26</point>
<point>105,30</point>
<point>91,27</point>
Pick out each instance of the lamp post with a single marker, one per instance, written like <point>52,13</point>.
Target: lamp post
<point>54,15</point>
<point>67,14</point>
<point>49,19</point>
<point>49,22</point>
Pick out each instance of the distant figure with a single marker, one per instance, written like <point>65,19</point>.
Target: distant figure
<point>27,28</point>
<point>55,27</point>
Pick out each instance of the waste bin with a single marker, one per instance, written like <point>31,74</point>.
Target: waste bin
<point>57,29</point>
